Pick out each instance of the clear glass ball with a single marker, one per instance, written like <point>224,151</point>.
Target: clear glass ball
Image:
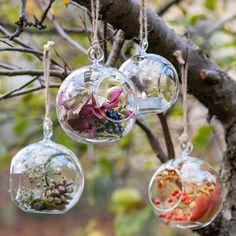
<point>186,193</point>
<point>46,177</point>
<point>96,104</point>
<point>155,79</point>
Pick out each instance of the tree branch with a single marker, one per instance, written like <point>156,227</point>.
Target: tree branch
<point>38,54</point>
<point>23,22</point>
<point>64,35</point>
<point>9,93</point>
<point>219,97</point>
<point>116,48</point>
<point>46,12</point>
<point>167,136</point>
<point>153,141</point>
<point>26,91</point>
<point>48,30</point>
<point>28,49</point>
<point>123,15</point>
<point>8,35</point>
<point>22,72</point>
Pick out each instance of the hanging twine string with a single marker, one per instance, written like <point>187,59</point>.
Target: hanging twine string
<point>186,145</point>
<point>95,5</point>
<point>46,67</point>
<point>184,74</point>
<point>143,34</point>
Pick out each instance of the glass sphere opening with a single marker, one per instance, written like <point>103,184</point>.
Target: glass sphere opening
<point>46,177</point>
<point>186,193</point>
<point>165,189</point>
<point>116,98</point>
<point>156,81</point>
<point>96,104</point>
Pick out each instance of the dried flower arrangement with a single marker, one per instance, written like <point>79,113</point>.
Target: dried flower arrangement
<point>86,117</point>
<point>185,201</point>
<point>42,190</point>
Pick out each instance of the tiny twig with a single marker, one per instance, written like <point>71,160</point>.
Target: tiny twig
<point>19,49</point>
<point>23,22</point>
<point>9,93</point>
<point>156,147</point>
<point>8,66</point>
<point>36,53</point>
<point>83,20</point>
<point>66,65</point>
<point>104,40</point>
<point>7,43</point>
<point>218,27</point>
<point>18,41</point>
<point>64,35</point>
<point>56,73</point>
<point>116,48</point>
<point>167,136</point>
<point>48,30</point>
<point>167,6</point>
<point>45,13</point>
<point>26,91</point>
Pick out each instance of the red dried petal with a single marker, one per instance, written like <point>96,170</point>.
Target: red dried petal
<point>205,203</point>
<point>202,205</point>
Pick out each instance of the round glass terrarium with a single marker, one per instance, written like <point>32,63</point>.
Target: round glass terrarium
<point>46,177</point>
<point>155,80</point>
<point>186,193</point>
<point>96,104</point>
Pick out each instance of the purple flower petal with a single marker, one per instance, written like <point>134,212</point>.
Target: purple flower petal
<point>114,93</point>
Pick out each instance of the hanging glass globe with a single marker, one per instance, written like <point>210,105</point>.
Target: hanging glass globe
<point>46,177</point>
<point>155,80</point>
<point>186,193</point>
<point>96,103</point>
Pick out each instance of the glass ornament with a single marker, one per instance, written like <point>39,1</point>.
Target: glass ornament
<point>155,80</point>
<point>46,177</point>
<point>96,103</point>
<point>186,193</point>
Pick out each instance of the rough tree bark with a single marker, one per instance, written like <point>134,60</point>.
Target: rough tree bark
<point>207,82</point>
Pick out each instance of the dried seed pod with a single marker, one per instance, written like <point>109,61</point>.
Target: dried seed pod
<point>69,190</point>
<point>68,183</point>
<point>61,189</point>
